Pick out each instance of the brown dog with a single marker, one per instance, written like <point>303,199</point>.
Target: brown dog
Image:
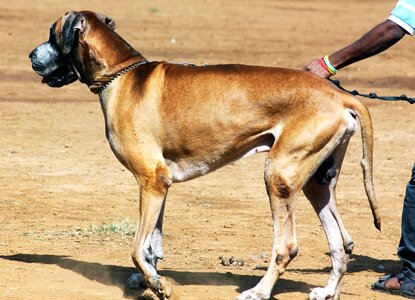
<point>169,123</point>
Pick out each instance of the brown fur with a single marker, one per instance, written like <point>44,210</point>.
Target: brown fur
<point>168,123</point>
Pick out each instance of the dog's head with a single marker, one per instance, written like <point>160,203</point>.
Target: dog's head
<point>55,59</point>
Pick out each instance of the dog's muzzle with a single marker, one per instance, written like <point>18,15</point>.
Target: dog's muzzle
<point>44,59</point>
<point>55,70</point>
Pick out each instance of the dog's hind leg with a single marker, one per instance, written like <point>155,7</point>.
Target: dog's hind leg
<point>290,163</point>
<point>282,191</point>
<point>323,199</point>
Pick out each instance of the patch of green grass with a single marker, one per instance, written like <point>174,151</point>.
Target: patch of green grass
<point>153,10</point>
<point>125,227</point>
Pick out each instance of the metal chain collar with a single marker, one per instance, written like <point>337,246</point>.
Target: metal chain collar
<point>120,73</point>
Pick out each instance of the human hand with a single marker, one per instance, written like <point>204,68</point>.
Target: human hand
<point>316,68</point>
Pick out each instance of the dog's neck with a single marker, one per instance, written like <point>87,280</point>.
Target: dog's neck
<point>100,82</point>
<point>100,89</point>
<point>98,72</point>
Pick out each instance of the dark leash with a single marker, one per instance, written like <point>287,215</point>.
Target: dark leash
<point>374,95</point>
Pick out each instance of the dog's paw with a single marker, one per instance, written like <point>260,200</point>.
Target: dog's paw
<point>319,293</point>
<point>250,295</point>
<point>136,281</point>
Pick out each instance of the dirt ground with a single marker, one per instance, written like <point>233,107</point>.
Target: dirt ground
<point>62,188</point>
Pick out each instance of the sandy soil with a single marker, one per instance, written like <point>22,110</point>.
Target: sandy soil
<point>61,187</point>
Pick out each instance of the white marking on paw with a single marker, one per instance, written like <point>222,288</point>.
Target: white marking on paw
<point>250,295</point>
<point>319,293</point>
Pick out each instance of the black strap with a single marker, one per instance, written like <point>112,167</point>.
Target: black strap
<point>373,95</point>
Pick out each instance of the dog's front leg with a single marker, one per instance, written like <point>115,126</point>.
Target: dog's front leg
<point>147,242</point>
<point>136,280</point>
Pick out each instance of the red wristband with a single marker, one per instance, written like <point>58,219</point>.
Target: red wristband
<point>323,65</point>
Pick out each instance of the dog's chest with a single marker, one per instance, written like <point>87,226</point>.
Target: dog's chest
<point>113,142</point>
<point>112,136</point>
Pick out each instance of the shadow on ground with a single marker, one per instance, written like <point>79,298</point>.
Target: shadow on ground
<point>118,275</point>
<point>359,263</point>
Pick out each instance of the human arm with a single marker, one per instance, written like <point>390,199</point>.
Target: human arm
<point>378,39</point>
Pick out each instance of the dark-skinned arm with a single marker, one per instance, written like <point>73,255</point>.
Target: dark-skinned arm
<point>378,39</point>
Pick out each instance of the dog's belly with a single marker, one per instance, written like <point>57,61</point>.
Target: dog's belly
<point>184,170</point>
<point>192,166</point>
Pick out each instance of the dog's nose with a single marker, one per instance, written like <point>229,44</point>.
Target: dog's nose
<point>31,53</point>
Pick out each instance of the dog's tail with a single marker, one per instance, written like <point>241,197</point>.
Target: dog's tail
<point>366,128</point>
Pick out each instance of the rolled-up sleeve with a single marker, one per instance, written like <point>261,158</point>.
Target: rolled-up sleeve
<point>404,15</point>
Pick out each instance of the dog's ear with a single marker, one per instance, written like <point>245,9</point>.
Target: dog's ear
<point>107,20</point>
<point>73,24</point>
